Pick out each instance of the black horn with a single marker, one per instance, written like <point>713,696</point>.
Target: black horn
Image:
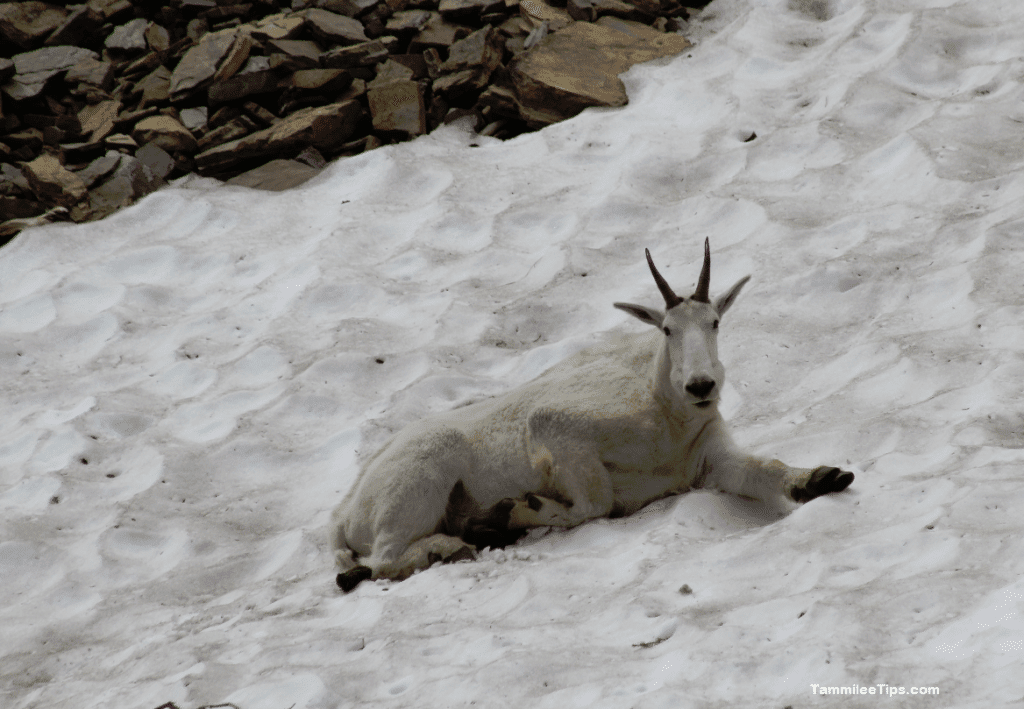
<point>704,282</point>
<point>671,299</point>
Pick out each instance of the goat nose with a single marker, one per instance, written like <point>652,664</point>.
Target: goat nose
<point>700,387</point>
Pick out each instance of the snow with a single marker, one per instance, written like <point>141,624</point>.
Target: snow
<point>190,384</point>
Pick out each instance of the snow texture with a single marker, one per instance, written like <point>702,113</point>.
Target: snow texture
<point>190,384</point>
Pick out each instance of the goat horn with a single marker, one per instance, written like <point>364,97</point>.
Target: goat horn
<point>671,299</point>
<point>703,283</point>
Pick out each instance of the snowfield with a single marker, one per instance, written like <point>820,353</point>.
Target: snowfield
<point>190,385</point>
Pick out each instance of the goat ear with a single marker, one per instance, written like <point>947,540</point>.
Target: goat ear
<point>643,313</point>
<point>725,301</point>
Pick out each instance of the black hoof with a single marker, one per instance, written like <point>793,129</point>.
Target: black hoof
<point>497,517</point>
<point>824,480</point>
<point>353,577</point>
<point>463,554</point>
<point>482,536</point>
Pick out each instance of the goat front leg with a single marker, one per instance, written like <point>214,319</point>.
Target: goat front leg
<point>766,480</point>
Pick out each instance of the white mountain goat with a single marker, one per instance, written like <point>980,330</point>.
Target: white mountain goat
<point>602,434</point>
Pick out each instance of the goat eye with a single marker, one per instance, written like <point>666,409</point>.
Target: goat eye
<point>667,331</point>
<point>714,325</point>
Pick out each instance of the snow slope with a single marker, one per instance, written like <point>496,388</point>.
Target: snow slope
<point>189,385</point>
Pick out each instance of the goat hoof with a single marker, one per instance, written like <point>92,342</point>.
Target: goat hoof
<point>498,516</point>
<point>824,479</point>
<point>463,554</point>
<point>353,577</point>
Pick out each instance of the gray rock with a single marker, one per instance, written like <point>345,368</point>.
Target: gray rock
<point>362,54</point>
<point>323,127</point>
<point>408,21</point>
<point>34,69</point>
<point>276,176</point>
<point>77,28</point>
<point>197,68</point>
<point>12,174</point>
<point>349,8</point>
<point>155,87</point>
<point>230,131</point>
<point>92,72</point>
<point>194,118</point>
<point>300,48</point>
<point>482,49</point>
<point>334,28</point>
<point>468,10</point>
<point>438,33</point>
<point>129,181</point>
<point>241,85</point>
<point>165,132</point>
<point>156,159</point>
<point>99,168</point>
<point>130,37</point>
<point>26,24</point>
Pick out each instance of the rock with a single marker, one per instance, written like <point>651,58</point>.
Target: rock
<point>538,11</point>
<point>78,28</point>
<point>158,38</point>
<point>120,141</point>
<point>19,208</point>
<point>438,33</point>
<point>334,28</point>
<point>321,80</point>
<point>468,10</point>
<point>155,87</point>
<point>276,176</point>
<point>30,138</point>
<point>279,26</point>
<point>51,183</point>
<point>391,71</point>
<point>35,68</point>
<point>99,168</point>
<point>259,114</point>
<point>241,85</point>
<point>110,10</point>
<point>304,50</point>
<point>579,67</point>
<point>197,68</point>
<point>165,132</point>
<point>482,49</point>
<point>98,120</point>
<point>235,58</point>
<point>13,181</point>
<point>12,227</point>
<point>349,8</point>
<point>130,37</point>
<point>194,118</point>
<point>156,159</point>
<point>93,73</point>
<point>323,127</point>
<point>130,180</point>
<point>407,22</point>
<point>232,130</point>
<point>7,70</point>
<point>27,24</point>
<point>362,54</point>
<point>398,106</point>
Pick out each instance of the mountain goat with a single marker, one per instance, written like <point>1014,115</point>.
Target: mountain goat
<point>602,434</point>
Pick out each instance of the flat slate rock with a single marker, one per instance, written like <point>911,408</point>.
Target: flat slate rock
<point>579,66</point>
<point>276,176</point>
